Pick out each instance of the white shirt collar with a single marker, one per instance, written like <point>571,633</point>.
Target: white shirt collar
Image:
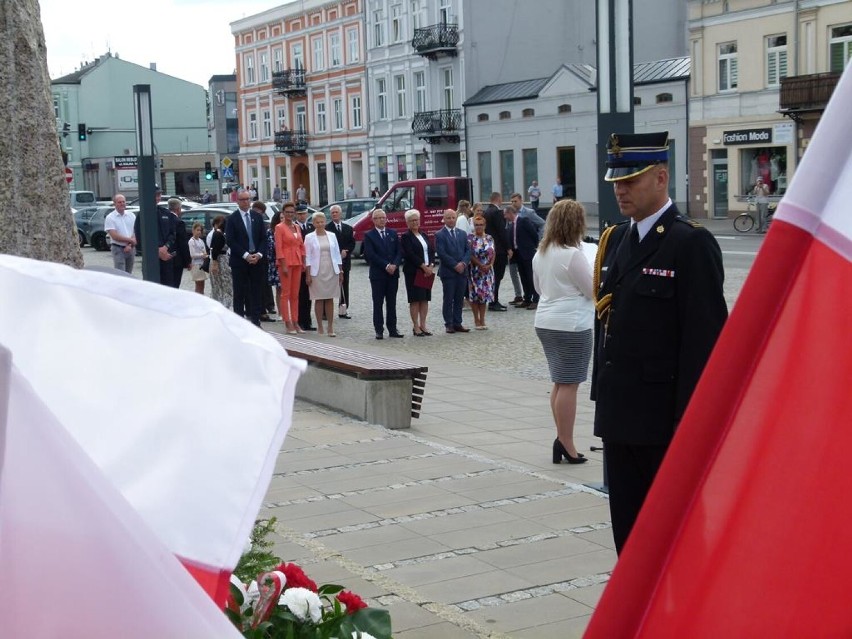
<point>646,224</point>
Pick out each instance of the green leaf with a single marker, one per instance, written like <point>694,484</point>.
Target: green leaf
<point>375,621</point>
<point>329,589</point>
<point>237,594</point>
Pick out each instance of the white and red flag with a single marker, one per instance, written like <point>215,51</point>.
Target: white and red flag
<point>745,532</point>
<point>180,404</point>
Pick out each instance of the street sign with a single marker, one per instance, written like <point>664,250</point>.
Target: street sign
<point>69,175</point>
<point>227,173</point>
<point>227,162</point>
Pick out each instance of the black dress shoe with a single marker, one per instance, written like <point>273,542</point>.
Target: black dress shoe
<point>559,453</point>
<point>344,317</point>
<point>450,329</point>
<point>461,329</point>
<point>379,336</point>
<point>395,334</point>
<point>495,307</point>
<point>309,328</point>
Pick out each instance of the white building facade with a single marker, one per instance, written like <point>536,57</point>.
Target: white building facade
<point>547,128</point>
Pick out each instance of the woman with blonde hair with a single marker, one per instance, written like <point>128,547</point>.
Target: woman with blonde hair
<point>562,274</point>
<point>417,256</point>
<point>481,277</point>
<point>324,272</point>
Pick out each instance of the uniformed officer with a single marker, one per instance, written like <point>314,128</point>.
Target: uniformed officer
<point>660,308</point>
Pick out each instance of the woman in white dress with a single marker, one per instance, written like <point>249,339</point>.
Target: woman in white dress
<point>323,272</point>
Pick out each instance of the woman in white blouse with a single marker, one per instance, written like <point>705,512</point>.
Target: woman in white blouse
<point>323,271</point>
<point>562,275</point>
<point>198,252</point>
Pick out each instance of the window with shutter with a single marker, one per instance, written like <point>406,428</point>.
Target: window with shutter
<point>840,47</point>
<point>776,60</point>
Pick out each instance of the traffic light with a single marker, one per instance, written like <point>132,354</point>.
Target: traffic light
<point>81,132</point>
<point>214,175</point>
<point>208,171</point>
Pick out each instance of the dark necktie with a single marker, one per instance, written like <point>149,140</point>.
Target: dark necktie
<point>634,237</point>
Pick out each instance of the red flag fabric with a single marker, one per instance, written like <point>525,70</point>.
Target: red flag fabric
<point>742,534</point>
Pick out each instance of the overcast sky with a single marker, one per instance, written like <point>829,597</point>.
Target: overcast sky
<point>188,39</point>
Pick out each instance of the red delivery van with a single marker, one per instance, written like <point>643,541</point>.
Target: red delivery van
<point>430,196</point>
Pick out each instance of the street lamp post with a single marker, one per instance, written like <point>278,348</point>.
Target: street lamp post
<point>615,91</point>
<point>145,160</point>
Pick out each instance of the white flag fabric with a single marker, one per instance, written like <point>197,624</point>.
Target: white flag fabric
<point>76,560</point>
<point>182,404</point>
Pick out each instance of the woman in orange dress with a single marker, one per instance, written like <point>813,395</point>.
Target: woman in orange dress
<point>290,255</point>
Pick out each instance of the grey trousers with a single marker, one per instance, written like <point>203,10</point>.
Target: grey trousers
<point>122,260</point>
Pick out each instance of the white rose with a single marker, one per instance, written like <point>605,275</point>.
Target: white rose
<point>361,635</point>
<point>303,603</point>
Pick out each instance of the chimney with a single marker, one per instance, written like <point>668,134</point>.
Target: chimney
<point>153,66</point>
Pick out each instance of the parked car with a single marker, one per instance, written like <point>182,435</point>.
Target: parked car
<point>184,203</point>
<point>204,214</point>
<point>351,208</point>
<point>271,208</point>
<point>430,196</point>
<point>90,226</point>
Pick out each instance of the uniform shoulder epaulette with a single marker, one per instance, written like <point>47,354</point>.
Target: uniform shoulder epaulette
<point>687,220</point>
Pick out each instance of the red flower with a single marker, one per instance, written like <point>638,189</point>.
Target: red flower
<point>352,602</point>
<point>296,577</point>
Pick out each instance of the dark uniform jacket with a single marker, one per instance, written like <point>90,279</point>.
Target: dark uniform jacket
<point>666,310</point>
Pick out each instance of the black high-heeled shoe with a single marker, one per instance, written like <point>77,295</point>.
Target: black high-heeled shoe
<point>417,333</point>
<point>559,452</point>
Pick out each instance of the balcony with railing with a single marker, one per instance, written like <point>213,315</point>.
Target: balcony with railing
<point>291,142</point>
<point>804,93</point>
<point>289,82</point>
<point>436,126</point>
<point>439,39</point>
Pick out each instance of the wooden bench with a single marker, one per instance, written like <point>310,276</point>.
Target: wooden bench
<point>379,390</point>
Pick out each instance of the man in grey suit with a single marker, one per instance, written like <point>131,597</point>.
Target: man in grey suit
<point>454,253</point>
<point>517,203</point>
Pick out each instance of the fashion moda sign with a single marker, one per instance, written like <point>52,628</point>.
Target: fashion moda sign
<point>747,136</point>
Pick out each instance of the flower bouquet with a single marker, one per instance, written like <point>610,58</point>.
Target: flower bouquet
<point>286,603</point>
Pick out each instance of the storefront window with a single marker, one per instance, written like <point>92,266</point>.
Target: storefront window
<point>769,163</point>
<point>383,173</point>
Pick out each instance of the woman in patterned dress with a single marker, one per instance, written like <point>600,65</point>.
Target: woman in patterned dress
<point>272,264</point>
<point>481,279</point>
<point>220,270</point>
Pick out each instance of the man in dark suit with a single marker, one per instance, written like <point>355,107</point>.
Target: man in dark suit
<point>246,236</point>
<point>346,242</point>
<point>383,254</point>
<point>181,261</point>
<point>454,254</point>
<point>660,308</point>
<point>305,321</point>
<point>495,226</point>
<point>522,238</point>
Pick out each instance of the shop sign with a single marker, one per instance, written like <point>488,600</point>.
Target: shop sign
<point>124,161</point>
<point>747,136</point>
<point>783,132</point>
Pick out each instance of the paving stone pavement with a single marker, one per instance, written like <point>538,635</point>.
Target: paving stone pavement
<point>461,526</point>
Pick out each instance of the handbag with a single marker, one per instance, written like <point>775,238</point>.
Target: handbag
<point>421,280</point>
<point>205,265</point>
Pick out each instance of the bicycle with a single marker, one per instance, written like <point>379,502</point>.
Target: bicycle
<point>745,221</point>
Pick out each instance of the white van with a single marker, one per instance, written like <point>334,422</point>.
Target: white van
<point>80,199</point>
